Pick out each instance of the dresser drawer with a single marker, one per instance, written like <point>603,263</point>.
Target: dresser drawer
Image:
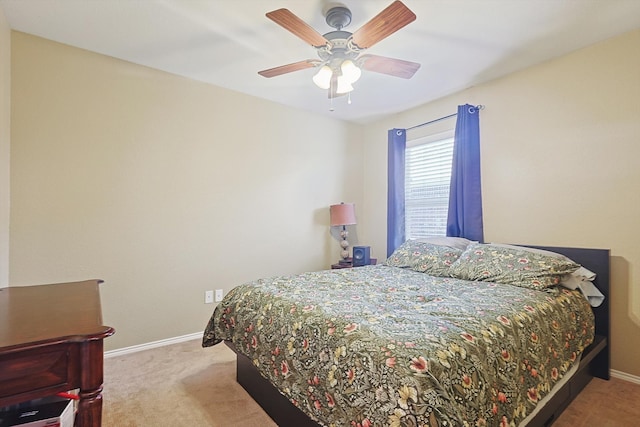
<point>46,368</point>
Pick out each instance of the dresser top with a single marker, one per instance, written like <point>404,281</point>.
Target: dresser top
<point>65,312</point>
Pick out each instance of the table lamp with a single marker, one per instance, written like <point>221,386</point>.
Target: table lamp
<point>342,215</point>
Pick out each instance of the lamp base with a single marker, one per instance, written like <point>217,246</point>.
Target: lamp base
<point>347,261</point>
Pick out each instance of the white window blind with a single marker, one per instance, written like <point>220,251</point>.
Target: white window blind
<point>427,180</point>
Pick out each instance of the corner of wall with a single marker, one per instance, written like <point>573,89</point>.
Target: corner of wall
<point>5,138</point>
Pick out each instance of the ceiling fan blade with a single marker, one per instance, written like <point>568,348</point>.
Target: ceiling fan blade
<point>289,68</point>
<point>286,19</point>
<point>387,22</point>
<point>391,66</point>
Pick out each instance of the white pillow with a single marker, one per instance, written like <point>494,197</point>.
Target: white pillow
<point>591,292</point>
<point>572,280</point>
<point>582,279</point>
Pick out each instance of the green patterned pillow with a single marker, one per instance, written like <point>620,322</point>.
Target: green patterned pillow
<point>424,257</point>
<point>513,266</point>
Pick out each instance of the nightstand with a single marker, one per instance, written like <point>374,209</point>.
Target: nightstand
<point>339,265</point>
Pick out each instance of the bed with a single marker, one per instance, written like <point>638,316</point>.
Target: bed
<point>438,335</point>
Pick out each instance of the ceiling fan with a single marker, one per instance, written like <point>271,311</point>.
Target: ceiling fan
<point>340,51</point>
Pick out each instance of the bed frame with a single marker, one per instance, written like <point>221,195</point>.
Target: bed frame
<point>594,362</point>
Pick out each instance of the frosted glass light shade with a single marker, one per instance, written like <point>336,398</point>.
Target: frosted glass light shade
<point>350,71</point>
<point>322,78</point>
<point>344,85</point>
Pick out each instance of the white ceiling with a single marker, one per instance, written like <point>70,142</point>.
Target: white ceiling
<point>460,43</point>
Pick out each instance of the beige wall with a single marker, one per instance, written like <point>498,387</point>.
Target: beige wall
<point>5,135</point>
<point>164,187</point>
<point>560,166</point>
<point>167,187</point>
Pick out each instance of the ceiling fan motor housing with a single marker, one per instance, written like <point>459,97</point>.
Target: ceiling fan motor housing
<point>338,17</point>
<point>339,46</point>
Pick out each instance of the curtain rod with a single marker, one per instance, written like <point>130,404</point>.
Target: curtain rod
<point>479,107</point>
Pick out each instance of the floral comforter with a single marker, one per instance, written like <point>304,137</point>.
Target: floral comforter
<point>385,346</point>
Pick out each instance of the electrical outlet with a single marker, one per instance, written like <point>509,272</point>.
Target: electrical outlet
<point>218,295</point>
<point>208,297</point>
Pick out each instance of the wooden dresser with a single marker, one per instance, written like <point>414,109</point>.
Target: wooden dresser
<point>51,341</point>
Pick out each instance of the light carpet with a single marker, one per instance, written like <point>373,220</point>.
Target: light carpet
<point>177,385</point>
<point>187,385</point>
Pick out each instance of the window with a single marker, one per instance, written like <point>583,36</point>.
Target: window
<point>427,180</point>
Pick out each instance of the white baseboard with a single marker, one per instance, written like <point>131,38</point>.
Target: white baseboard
<point>150,345</point>
<point>624,376</point>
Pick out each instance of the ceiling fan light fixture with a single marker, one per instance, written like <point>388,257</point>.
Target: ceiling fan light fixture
<point>350,71</point>
<point>322,78</point>
<point>344,85</point>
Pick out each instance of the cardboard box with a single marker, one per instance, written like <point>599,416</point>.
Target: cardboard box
<point>49,412</point>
